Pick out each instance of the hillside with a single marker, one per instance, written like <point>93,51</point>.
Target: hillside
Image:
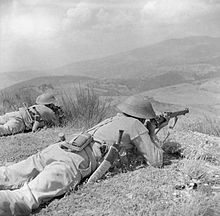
<point>143,190</point>
<point>167,94</point>
<point>189,76</point>
<point>48,81</point>
<point>104,87</point>
<point>201,96</point>
<point>189,58</point>
<point>188,183</point>
<point>13,77</point>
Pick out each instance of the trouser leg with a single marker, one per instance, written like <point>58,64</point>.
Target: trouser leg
<point>7,116</point>
<point>23,171</point>
<point>5,130</point>
<point>53,181</point>
<point>2,120</point>
<point>13,126</point>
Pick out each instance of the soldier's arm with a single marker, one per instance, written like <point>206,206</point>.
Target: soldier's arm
<point>151,127</point>
<point>38,123</point>
<point>148,149</point>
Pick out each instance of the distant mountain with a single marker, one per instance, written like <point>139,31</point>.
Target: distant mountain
<point>189,58</point>
<point>48,82</point>
<point>13,77</point>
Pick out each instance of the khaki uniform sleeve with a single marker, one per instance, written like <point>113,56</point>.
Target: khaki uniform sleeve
<point>141,139</point>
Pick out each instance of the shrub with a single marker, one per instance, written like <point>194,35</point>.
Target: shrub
<point>11,101</point>
<point>83,107</point>
<point>7,103</point>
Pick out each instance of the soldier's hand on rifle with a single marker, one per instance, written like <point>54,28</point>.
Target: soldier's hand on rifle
<point>162,121</point>
<point>35,126</point>
<point>151,125</point>
<point>37,123</point>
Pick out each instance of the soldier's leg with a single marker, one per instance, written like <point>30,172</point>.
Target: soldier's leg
<point>3,119</point>
<point>53,181</point>
<point>4,130</point>
<point>16,174</point>
<point>6,117</point>
<point>13,126</point>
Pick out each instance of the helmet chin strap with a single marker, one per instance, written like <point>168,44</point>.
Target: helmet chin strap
<point>142,120</point>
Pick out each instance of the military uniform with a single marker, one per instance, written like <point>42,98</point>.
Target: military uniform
<point>11,123</point>
<point>23,119</point>
<point>54,170</point>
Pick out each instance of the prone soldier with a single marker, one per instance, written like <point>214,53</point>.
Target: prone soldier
<point>44,113</point>
<point>63,165</point>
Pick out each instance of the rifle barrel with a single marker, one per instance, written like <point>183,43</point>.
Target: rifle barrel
<point>177,113</point>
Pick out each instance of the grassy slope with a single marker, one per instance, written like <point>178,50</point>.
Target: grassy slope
<point>143,191</point>
<point>150,191</point>
<point>201,97</point>
<point>20,146</point>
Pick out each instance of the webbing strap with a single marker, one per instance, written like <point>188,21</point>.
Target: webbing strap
<point>96,127</point>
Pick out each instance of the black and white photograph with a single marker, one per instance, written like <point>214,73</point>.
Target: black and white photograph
<point>110,108</point>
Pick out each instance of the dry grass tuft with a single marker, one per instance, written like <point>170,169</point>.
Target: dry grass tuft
<point>205,124</point>
<point>83,107</point>
<point>11,101</point>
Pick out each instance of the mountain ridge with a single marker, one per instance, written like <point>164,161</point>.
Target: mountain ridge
<point>187,56</point>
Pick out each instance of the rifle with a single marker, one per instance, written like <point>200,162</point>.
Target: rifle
<point>166,116</point>
<point>177,113</point>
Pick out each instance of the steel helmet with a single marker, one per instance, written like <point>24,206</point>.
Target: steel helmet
<point>137,106</point>
<point>45,98</point>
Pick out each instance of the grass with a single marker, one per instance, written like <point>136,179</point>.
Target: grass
<point>205,124</point>
<point>83,107</point>
<point>11,101</point>
<point>147,191</point>
<point>144,190</point>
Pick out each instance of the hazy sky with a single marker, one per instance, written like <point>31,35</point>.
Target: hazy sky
<point>38,34</point>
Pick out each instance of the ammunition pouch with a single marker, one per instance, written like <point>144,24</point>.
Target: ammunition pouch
<point>78,143</point>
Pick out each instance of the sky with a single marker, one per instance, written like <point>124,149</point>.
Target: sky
<point>44,34</point>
